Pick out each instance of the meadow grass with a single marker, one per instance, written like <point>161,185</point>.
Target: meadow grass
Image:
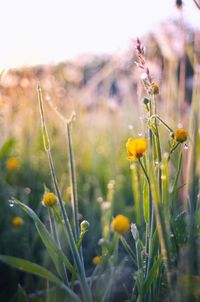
<point>137,195</point>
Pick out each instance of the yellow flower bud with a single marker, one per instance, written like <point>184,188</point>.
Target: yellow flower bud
<point>181,135</point>
<point>17,221</point>
<point>49,199</point>
<point>136,147</point>
<point>155,88</point>
<point>120,224</point>
<point>96,260</point>
<point>12,164</point>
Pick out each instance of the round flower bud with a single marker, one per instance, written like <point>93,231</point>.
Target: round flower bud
<point>103,242</point>
<point>17,221</point>
<point>146,101</point>
<point>120,224</point>
<point>181,135</point>
<point>96,260</point>
<point>155,88</point>
<point>49,199</point>
<point>84,226</point>
<point>12,164</point>
<point>134,231</point>
<point>179,4</point>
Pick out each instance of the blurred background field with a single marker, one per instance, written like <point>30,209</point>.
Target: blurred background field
<point>106,93</point>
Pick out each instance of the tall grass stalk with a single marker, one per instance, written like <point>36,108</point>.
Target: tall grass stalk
<point>72,243</point>
<point>73,183</point>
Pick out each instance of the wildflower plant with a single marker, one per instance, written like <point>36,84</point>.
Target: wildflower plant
<point>58,218</point>
<point>153,237</point>
<point>154,255</point>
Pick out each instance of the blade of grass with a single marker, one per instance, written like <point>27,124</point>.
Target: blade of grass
<point>54,252</point>
<point>39,271</point>
<point>72,243</point>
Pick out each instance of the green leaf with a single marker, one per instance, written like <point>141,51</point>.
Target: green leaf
<point>154,243</point>
<point>32,268</point>
<point>6,148</point>
<point>39,271</point>
<point>152,275</point>
<point>129,250</point>
<point>55,253</point>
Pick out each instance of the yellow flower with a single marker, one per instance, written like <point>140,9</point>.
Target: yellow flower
<point>120,224</point>
<point>96,260</point>
<point>155,88</point>
<point>17,221</point>
<point>181,135</point>
<point>136,147</point>
<point>12,164</point>
<point>49,199</point>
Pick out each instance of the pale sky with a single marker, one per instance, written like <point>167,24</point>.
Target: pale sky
<point>49,31</point>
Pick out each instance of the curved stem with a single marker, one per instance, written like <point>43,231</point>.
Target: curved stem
<point>145,172</point>
<point>156,116</point>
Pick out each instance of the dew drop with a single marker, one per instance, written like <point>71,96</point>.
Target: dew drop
<point>140,134</point>
<point>179,126</point>
<point>11,203</point>
<point>185,146</point>
<point>171,235</point>
<point>143,76</point>
<point>130,127</point>
<point>47,98</point>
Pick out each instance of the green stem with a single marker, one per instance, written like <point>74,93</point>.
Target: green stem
<point>74,195</point>
<point>172,150</point>
<point>150,226</point>
<point>174,192</point>
<point>178,171</point>
<point>54,232</point>
<point>150,234</point>
<point>84,285</point>
<point>158,150</point>
<point>145,172</point>
<point>156,116</point>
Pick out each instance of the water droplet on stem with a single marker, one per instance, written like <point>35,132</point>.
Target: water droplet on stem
<point>11,203</point>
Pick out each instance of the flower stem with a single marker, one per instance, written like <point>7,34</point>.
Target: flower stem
<point>84,285</point>
<point>73,184</point>
<point>158,150</point>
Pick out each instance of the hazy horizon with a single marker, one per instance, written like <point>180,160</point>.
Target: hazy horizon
<point>46,32</point>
